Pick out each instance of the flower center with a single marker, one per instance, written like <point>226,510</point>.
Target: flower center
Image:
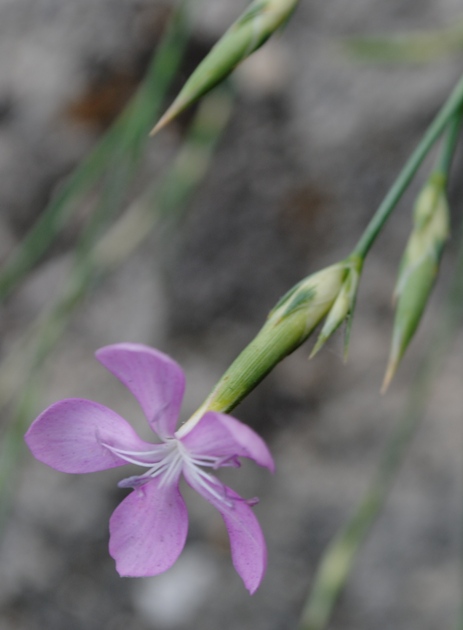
<point>163,459</point>
<point>168,460</point>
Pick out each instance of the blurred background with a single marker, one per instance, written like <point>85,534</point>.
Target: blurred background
<point>184,242</point>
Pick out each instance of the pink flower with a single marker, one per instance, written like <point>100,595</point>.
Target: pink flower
<point>148,529</point>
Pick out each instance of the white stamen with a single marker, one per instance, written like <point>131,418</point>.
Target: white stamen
<point>173,468</point>
<point>209,483</point>
<point>157,450</point>
<point>168,460</point>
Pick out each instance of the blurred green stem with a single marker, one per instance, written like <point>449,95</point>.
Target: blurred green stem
<point>421,47</point>
<point>447,112</point>
<point>124,141</point>
<point>444,162</point>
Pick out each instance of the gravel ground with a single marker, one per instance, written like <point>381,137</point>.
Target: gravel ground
<point>314,142</point>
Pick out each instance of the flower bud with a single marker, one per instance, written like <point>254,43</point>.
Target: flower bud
<point>288,325</point>
<point>418,268</point>
<point>252,29</point>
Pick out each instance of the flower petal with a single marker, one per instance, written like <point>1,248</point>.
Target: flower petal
<point>148,529</point>
<point>223,436</point>
<point>70,436</point>
<point>247,543</point>
<point>156,381</point>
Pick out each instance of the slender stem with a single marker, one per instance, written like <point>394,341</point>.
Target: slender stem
<point>450,107</point>
<point>444,162</point>
<point>459,624</point>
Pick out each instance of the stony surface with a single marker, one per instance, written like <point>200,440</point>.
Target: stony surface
<point>314,141</point>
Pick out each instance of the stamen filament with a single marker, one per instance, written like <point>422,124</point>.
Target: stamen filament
<point>159,448</point>
<point>173,467</point>
<point>204,461</point>
<point>208,482</point>
<point>130,460</point>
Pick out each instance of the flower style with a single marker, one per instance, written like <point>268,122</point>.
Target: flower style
<point>148,529</point>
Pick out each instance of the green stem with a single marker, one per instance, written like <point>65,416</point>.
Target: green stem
<point>444,162</point>
<point>448,110</point>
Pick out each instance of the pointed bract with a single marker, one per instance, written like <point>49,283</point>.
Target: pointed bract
<point>342,309</point>
<point>418,268</point>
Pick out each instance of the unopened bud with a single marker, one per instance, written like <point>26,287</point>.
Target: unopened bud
<point>252,29</point>
<point>288,325</point>
<point>313,297</point>
<point>418,268</point>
